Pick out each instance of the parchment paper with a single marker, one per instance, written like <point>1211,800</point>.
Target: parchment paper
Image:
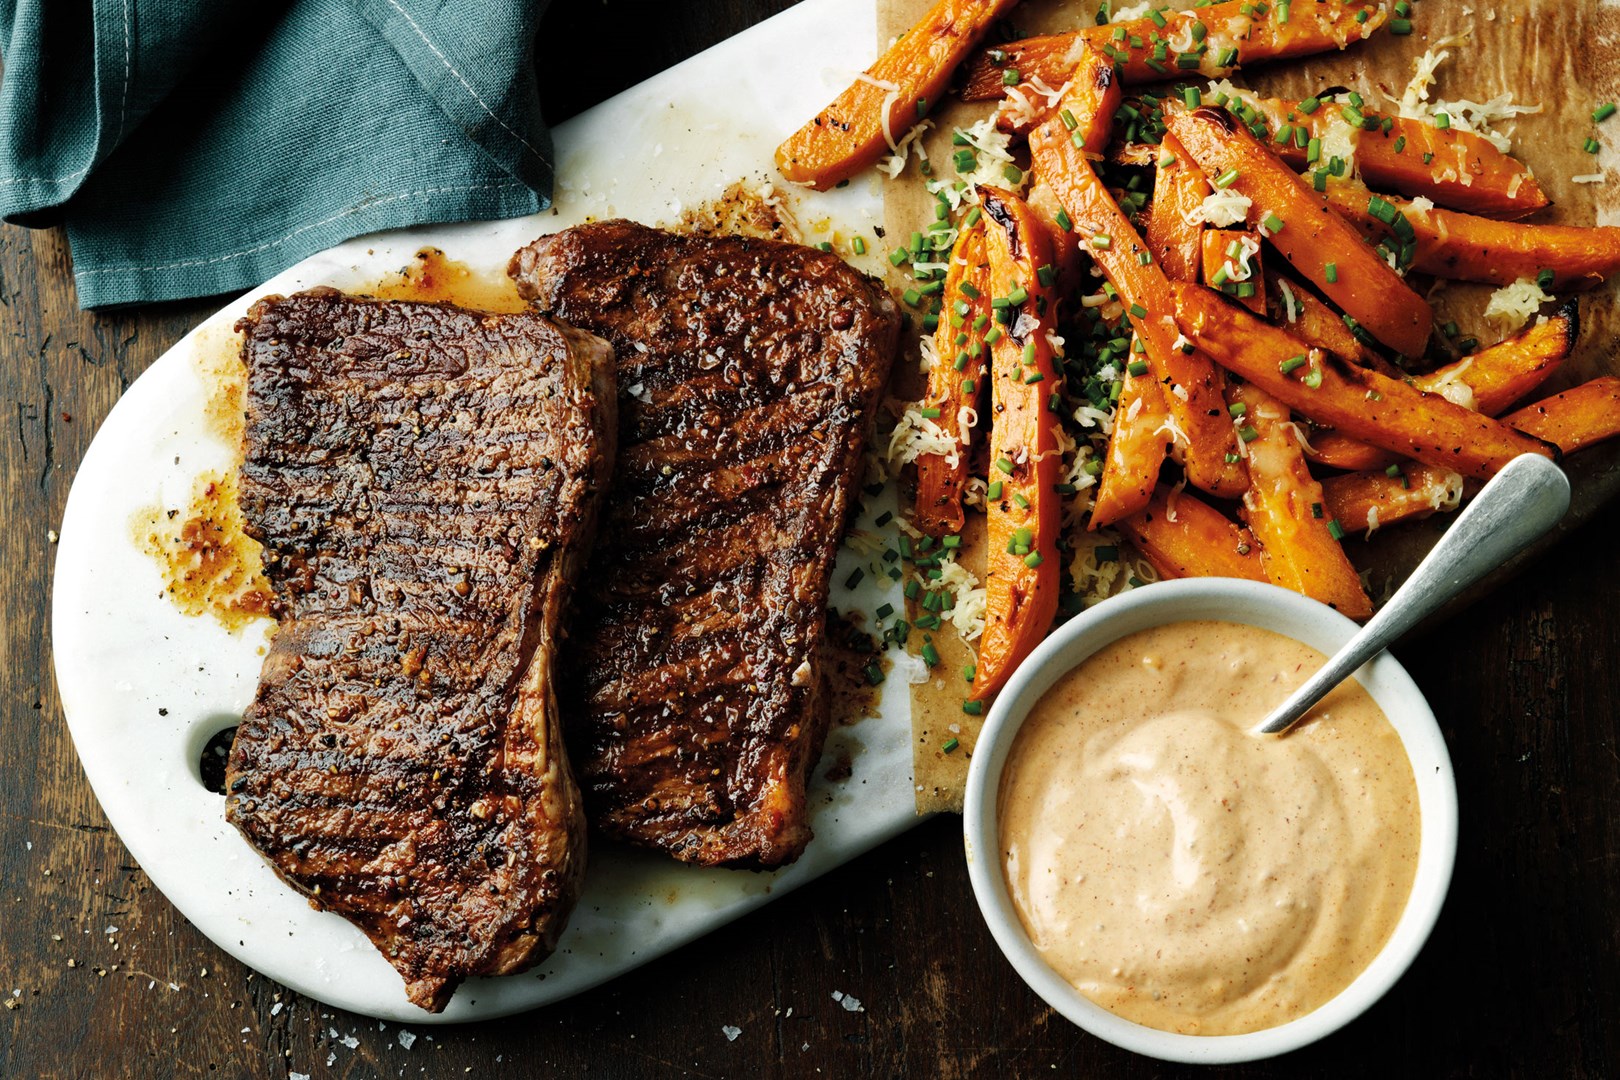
<point>1563,56</point>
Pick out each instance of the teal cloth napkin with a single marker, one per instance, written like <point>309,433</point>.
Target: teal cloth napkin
<point>194,147</point>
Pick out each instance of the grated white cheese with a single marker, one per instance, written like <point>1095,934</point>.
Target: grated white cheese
<point>1476,117</point>
<point>968,613</point>
<point>1511,306</point>
<point>895,163</point>
<point>1292,308</point>
<point>1587,178</point>
<point>1131,11</point>
<point>916,435</point>
<point>1220,209</point>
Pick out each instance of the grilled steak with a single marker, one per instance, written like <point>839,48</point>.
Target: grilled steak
<point>749,372</point>
<point>424,482</point>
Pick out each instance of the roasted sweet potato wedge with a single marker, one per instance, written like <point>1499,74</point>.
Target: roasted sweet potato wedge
<point>895,92</point>
<point>1022,507</point>
<point>1234,34</point>
<point>1362,403</point>
<point>1183,536</point>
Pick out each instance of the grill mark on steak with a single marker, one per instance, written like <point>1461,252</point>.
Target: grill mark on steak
<point>424,480</point>
<point>750,372</point>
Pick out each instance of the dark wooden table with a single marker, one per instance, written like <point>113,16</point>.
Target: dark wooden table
<point>1522,977</point>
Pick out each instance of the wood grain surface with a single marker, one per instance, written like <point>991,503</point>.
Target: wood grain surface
<point>103,979</point>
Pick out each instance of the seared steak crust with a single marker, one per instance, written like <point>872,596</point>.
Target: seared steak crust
<point>749,375</point>
<point>424,482</point>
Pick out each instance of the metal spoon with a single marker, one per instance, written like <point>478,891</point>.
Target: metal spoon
<point>1521,502</point>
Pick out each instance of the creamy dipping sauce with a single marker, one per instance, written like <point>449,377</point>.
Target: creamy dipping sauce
<point>1185,874</point>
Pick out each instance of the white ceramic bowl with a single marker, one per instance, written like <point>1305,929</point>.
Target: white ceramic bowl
<point>1259,605</point>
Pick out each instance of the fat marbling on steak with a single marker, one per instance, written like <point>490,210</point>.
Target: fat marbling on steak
<point>749,374</point>
<point>424,481</point>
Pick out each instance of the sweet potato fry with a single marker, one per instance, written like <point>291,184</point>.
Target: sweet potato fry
<point>895,92</point>
<point>1365,501</point>
<point>1304,230</point>
<point>1136,449</point>
<point>1575,419</point>
<point>1183,536</point>
<point>1464,171</point>
<point>1088,96</point>
<point>1487,382</point>
<point>1023,514</point>
<point>1299,542</point>
<point>1192,385</point>
<point>1306,316</point>
<point>1179,187</point>
<point>1232,264</point>
<point>1233,37</point>
<point>1362,403</point>
<point>1464,247</point>
<point>954,385</point>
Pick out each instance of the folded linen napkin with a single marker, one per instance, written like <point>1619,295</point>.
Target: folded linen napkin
<point>194,147</point>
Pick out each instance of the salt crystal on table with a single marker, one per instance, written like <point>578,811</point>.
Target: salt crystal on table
<point>350,1041</point>
<point>731,1032</point>
<point>275,1010</point>
<point>849,1002</point>
<point>298,1076</point>
<point>406,1038</point>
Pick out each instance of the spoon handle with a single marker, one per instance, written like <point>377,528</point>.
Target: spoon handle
<point>1519,504</point>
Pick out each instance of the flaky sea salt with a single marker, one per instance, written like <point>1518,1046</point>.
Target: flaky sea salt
<point>731,1032</point>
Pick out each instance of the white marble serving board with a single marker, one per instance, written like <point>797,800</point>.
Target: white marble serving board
<point>144,687</point>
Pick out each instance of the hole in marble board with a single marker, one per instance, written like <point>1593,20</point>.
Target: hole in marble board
<point>214,754</point>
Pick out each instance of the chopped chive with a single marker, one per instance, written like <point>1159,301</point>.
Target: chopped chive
<point>1226,178</point>
<point>1144,258</point>
<point>1018,498</point>
<point>1400,27</point>
<point>1591,146</point>
<point>1004,465</point>
<point>1139,311</point>
<point>1018,296</point>
<point>1191,96</point>
<point>1310,105</point>
<point>1228,57</point>
<point>859,245</point>
<point>1033,559</point>
<point>1137,367</point>
<point>1332,272</point>
<point>1010,77</point>
<point>1603,112</point>
<point>930,656</point>
<point>1313,378</point>
<point>1442,121</point>
<point>968,386</point>
<point>1068,120</point>
<point>969,291</point>
<point>1319,179</point>
<point>1335,530</point>
<point>1544,279</point>
<point>1247,433</point>
<point>972,218</point>
<point>874,674</point>
<point>1393,470</point>
<point>898,256</point>
<point>1012,174</point>
<point>931,412</point>
<point>1063,221</point>
<point>992,491</point>
<point>952,743</point>
<point>1293,363</point>
<point>1237,409</point>
<point>1158,18</point>
<point>973,708</point>
<point>1102,241</point>
<point>1273,223</point>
